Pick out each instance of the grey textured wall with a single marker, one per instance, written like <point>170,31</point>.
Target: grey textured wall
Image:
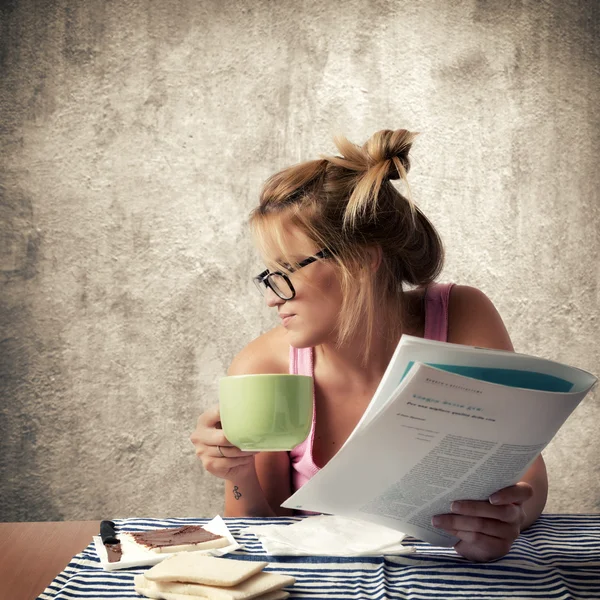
<point>134,138</point>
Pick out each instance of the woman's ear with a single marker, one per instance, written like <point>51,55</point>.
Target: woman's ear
<point>375,255</point>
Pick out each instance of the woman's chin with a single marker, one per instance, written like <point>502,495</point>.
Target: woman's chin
<point>297,339</point>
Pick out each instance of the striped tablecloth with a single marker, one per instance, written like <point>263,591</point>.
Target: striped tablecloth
<point>558,557</point>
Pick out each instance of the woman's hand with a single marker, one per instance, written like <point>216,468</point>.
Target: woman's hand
<point>218,456</point>
<point>487,530</point>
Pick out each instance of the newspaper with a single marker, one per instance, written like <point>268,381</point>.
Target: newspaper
<point>447,422</point>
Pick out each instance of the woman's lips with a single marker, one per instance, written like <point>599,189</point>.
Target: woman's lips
<point>285,319</point>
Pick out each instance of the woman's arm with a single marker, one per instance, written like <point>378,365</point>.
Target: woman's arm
<point>474,320</point>
<point>487,529</point>
<point>259,491</point>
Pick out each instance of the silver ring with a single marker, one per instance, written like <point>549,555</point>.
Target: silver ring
<point>221,451</point>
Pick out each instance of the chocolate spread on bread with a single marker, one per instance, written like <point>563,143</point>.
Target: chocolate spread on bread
<point>159,538</point>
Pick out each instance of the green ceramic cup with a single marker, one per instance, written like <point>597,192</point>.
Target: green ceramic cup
<point>266,412</point>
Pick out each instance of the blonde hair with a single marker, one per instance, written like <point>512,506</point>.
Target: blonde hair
<point>346,203</point>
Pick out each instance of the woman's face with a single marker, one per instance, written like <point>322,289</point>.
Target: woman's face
<point>311,317</point>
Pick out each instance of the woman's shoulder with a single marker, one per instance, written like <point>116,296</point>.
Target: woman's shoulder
<point>473,320</point>
<point>268,353</point>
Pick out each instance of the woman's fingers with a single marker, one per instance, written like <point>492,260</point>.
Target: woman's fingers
<point>210,417</point>
<point>486,531</point>
<point>208,431</point>
<point>226,451</point>
<point>508,513</point>
<point>223,461</point>
<point>514,494</point>
<point>463,524</point>
<point>481,539</point>
<point>222,467</point>
<point>217,454</point>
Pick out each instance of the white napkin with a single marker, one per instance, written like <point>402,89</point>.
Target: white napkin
<point>330,535</point>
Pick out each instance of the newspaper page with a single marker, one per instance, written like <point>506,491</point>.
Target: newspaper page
<point>435,353</point>
<point>440,437</point>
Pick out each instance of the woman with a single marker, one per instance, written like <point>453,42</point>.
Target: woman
<point>351,264</point>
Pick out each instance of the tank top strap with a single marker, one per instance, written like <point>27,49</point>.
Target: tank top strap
<point>437,300</point>
<point>303,465</point>
<point>301,361</point>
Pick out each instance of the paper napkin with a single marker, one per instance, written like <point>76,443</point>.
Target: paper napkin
<point>330,535</point>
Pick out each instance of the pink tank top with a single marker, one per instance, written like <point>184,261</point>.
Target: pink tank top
<point>301,363</point>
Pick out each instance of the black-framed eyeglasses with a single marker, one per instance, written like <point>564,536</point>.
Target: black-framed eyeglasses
<point>279,282</point>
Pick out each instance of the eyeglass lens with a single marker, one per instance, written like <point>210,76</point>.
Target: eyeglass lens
<point>280,285</point>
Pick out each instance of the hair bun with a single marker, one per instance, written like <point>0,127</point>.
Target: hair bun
<point>393,173</point>
<point>393,146</point>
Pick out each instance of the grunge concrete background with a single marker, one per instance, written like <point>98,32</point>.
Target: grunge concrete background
<point>134,139</point>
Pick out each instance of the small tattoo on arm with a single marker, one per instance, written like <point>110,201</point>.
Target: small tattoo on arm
<point>236,493</point>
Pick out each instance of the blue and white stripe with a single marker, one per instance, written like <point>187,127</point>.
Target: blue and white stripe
<point>557,558</point>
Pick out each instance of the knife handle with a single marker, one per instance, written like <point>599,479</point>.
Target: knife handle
<point>108,532</point>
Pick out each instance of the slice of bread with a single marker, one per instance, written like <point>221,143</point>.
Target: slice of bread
<point>255,587</point>
<point>277,595</point>
<point>196,567</point>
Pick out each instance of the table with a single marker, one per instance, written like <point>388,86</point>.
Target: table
<point>31,554</point>
<point>558,558</point>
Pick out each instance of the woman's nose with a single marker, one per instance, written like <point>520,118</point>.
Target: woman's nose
<point>272,298</point>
